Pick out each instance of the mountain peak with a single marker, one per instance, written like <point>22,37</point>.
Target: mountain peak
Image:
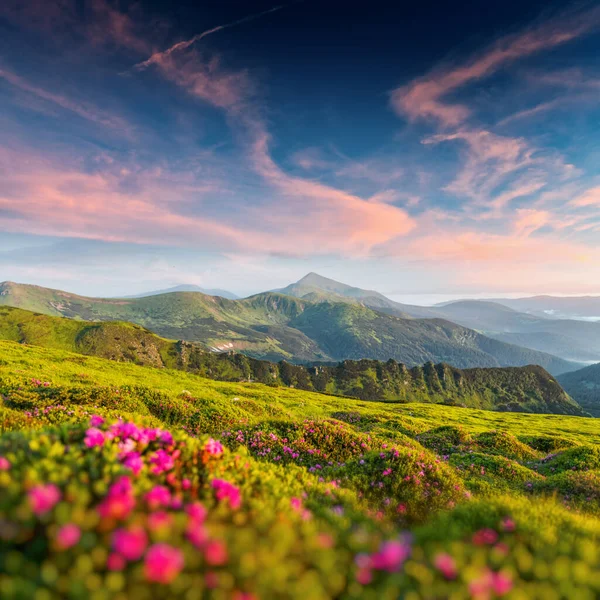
<point>313,277</point>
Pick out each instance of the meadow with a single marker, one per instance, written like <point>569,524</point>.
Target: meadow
<point>124,481</point>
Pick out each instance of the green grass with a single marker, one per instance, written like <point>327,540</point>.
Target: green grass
<point>510,500</point>
<point>524,389</point>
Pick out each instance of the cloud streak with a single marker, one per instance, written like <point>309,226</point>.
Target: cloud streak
<point>160,57</point>
<point>424,97</point>
<point>81,109</point>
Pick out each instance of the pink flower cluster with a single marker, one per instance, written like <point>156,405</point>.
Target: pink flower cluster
<point>446,565</point>
<point>119,501</point>
<point>43,498</point>
<point>224,490</point>
<point>163,563</point>
<point>389,558</point>
<point>213,447</point>
<point>490,583</point>
<point>67,536</point>
<point>94,437</point>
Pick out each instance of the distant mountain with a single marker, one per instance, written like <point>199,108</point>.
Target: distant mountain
<point>584,387</point>
<point>274,326</point>
<point>488,316</point>
<point>317,288</point>
<point>557,307</point>
<point>187,288</point>
<point>521,389</point>
<point>570,339</point>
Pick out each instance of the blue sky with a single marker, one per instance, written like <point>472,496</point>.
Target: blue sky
<point>242,144</point>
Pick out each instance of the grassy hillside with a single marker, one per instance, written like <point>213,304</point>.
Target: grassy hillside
<point>528,389</point>
<point>584,386</point>
<point>274,326</point>
<point>311,496</point>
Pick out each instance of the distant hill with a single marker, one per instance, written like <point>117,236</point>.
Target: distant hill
<point>557,307</point>
<point>584,387</point>
<point>524,389</point>
<point>488,316</point>
<point>274,326</point>
<point>571,339</point>
<point>187,288</point>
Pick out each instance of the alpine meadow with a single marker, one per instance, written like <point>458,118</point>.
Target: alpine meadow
<point>299,301</point>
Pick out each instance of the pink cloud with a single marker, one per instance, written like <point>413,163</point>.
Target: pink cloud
<point>46,198</point>
<point>339,216</point>
<point>424,97</point>
<point>529,220</point>
<point>590,198</point>
<point>207,80</point>
<point>508,249</point>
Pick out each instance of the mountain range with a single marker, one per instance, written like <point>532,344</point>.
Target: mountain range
<point>515,389</point>
<point>321,326</point>
<point>570,339</point>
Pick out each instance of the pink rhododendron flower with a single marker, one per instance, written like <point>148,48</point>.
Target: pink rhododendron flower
<point>391,556</point>
<point>215,552</point>
<point>296,503</point>
<point>94,437</point>
<point>67,536</point>
<point>186,484</point>
<point>133,461</point>
<point>446,565</point>
<point>490,583</point>
<point>158,497</point>
<point>163,563</point>
<point>196,533</point>
<point>162,462</point>
<point>508,524</point>
<point>130,543</point>
<point>96,421</point>
<point>213,447</point>
<point>166,438</point>
<point>196,511</point>
<point>43,498</point>
<point>224,490</point>
<point>4,464</point>
<point>119,501</point>
<point>485,536</point>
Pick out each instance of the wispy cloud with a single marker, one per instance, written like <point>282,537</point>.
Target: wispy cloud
<point>590,198</point>
<point>160,57</point>
<point>83,109</point>
<point>424,97</point>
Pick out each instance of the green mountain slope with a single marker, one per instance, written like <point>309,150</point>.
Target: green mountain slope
<point>525,389</point>
<point>274,326</point>
<point>568,339</point>
<point>584,387</point>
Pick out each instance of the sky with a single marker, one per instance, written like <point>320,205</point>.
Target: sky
<point>423,151</point>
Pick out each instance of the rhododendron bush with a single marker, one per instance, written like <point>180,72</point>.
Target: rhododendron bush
<point>124,491</point>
